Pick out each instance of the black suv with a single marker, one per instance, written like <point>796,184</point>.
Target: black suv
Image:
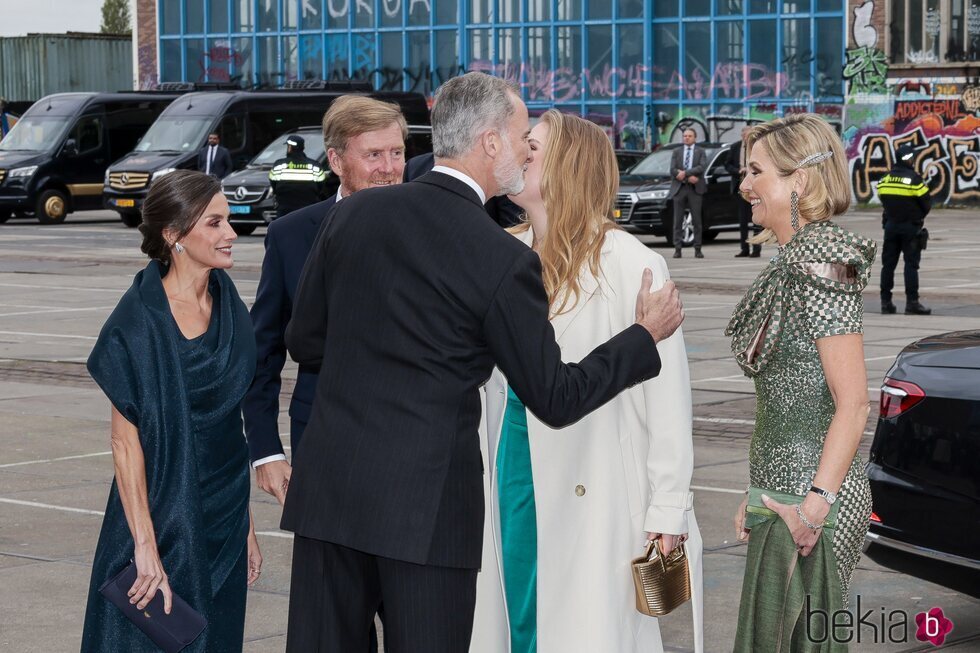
<point>642,205</point>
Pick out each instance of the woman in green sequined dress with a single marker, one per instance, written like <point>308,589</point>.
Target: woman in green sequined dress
<point>798,334</point>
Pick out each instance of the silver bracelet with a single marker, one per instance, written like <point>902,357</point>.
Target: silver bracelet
<point>806,522</point>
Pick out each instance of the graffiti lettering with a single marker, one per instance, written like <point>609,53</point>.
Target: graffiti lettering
<point>921,56</point>
<point>865,36</point>
<point>866,70</point>
<point>946,109</point>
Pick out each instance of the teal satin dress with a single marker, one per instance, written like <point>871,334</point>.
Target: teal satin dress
<point>518,527</point>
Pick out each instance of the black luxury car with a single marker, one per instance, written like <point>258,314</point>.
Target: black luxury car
<point>626,159</point>
<point>642,205</point>
<point>924,465</point>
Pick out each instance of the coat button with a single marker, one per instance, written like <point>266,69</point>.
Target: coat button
<point>580,490</point>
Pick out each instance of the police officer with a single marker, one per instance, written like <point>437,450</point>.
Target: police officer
<point>297,180</point>
<point>906,202</point>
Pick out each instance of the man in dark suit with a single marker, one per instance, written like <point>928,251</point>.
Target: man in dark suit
<point>737,166</point>
<point>411,296</point>
<point>213,159</point>
<point>687,165</point>
<point>353,126</point>
<point>501,209</point>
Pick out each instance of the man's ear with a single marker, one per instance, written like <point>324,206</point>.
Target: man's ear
<point>336,163</point>
<point>490,140</point>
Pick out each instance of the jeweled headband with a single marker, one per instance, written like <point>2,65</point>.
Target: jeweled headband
<point>814,159</point>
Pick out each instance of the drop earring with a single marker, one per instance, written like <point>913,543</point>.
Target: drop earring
<point>794,211</point>
<point>180,248</point>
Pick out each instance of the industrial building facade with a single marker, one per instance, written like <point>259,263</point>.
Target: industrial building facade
<point>643,69</point>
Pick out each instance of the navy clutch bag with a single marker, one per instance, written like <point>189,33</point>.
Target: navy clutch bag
<point>171,632</point>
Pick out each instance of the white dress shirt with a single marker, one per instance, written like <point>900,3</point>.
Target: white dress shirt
<point>463,177</point>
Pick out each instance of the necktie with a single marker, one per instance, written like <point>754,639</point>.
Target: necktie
<point>687,157</point>
<point>210,159</point>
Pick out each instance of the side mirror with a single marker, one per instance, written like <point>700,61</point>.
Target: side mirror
<point>71,147</point>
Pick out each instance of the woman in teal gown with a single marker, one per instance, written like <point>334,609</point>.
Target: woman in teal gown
<point>175,358</point>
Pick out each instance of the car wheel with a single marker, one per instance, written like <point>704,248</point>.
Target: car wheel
<point>244,229</point>
<point>52,207</point>
<point>687,230</point>
<point>708,236</point>
<point>131,220</point>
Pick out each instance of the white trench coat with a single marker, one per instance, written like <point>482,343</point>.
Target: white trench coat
<point>599,484</point>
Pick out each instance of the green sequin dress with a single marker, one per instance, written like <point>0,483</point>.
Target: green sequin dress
<point>810,290</point>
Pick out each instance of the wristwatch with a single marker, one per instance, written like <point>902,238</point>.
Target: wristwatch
<point>829,497</point>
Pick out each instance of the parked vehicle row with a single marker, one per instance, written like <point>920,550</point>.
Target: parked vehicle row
<point>77,151</point>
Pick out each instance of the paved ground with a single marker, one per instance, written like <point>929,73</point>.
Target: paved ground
<point>58,284</point>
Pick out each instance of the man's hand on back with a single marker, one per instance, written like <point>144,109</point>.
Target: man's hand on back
<point>660,312</point>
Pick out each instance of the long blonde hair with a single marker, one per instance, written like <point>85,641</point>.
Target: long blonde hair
<point>791,140</point>
<point>579,182</point>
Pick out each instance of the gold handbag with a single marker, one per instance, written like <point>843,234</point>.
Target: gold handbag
<point>661,583</point>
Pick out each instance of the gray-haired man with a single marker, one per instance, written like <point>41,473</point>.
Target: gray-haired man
<point>410,296</point>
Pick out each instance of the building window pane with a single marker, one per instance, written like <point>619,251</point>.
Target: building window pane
<point>955,50</point>
<point>391,62</point>
<point>218,15</point>
<point>973,30</point>
<point>831,5</point>
<point>481,11</point>
<point>796,57</point>
<point>602,115</point>
<point>420,62</point>
<point>194,16</point>
<point>270,74</point>
<point>447,12</point>
<point>218,60</point>
<point>509,54</point>
<point>537,72</point>
<point>569,9</point>
<point>761,78</point>
<point>933,26</point>
<point>337,57</point>
<point>268,16</point>
<point>896,31</point>
<point>632,73</point>
<point>391,13</point>
<point>600,9</point>
<point>195,68</point>
<point>697,60</point>
<point>568,76</point>
<point>481,49</point>
<point>447,56</point>
<point>665,8</point>
<point>290,14</point>
<point>796,6</point>
<point>762,7</point>
<point>631,133</point>
<point>419,12</point>
<point>666,61</point>
<point>290,57</point>
<point>538,10</point>
<point>697,8</point>
<point>730,55</point>
<point>509,11</point>
<point>830,42</point>
<point>311,14</point>
<point>170,70</point>
<point>599,78</point>
<point>916,19</point>
<point>311,67</point>
<point>170,18</point>
<point>244,19</point>
<point>729,7</point>
<point>364,13</point>
<point>241,58</point>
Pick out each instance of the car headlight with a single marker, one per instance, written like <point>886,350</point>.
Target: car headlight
<point>23,172</point>
<point>652,194</point>
<point>160,173</point>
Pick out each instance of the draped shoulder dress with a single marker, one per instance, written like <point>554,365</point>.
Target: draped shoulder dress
<point>810,290</point>
<point>183,395</point>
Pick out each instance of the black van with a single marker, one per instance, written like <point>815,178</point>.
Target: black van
<point>247,121</point>
<point>53,160</point>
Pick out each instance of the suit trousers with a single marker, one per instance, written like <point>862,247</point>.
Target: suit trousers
<point>336,591</point>
<point>296,428</point>
<point>687,198</point>
<point>901,239</point>
<point>744,224</point>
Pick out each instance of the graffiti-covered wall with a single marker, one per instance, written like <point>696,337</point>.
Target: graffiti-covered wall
<point>884,109</point>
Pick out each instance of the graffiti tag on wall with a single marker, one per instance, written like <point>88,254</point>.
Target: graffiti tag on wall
<point>866,67</point>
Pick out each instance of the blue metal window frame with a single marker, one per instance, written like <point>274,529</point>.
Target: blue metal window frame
<point>463,28</point>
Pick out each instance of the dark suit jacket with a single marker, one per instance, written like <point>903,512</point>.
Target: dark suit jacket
<point>287,246</point>
<point>408,299</point>
<point>501,209</point>
<point>221,167</point>
<point>699,161</point>
<point>733,166</point>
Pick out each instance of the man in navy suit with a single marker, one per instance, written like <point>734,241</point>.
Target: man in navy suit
<point>213,159</point>
<point>365,144</point>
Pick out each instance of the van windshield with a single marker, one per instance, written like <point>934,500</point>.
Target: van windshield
<point>38,134</point>
<point>175,135</point>
<point>277,149</point>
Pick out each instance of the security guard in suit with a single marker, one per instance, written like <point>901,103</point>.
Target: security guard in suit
<point>296,179</point>
<point>905,201</point>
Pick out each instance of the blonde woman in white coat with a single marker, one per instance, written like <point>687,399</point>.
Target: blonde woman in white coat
<point>620,476</point>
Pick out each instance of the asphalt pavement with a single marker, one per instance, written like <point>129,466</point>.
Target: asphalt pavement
<point>58,284</point>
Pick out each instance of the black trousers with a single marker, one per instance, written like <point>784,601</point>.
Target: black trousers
<point>744,224</point>
<point>901,239</point>
<point>687,198</point>
<point>336,591</point>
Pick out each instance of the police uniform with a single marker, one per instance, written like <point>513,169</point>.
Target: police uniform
<point>296,179</point>
<point>905,201</point>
